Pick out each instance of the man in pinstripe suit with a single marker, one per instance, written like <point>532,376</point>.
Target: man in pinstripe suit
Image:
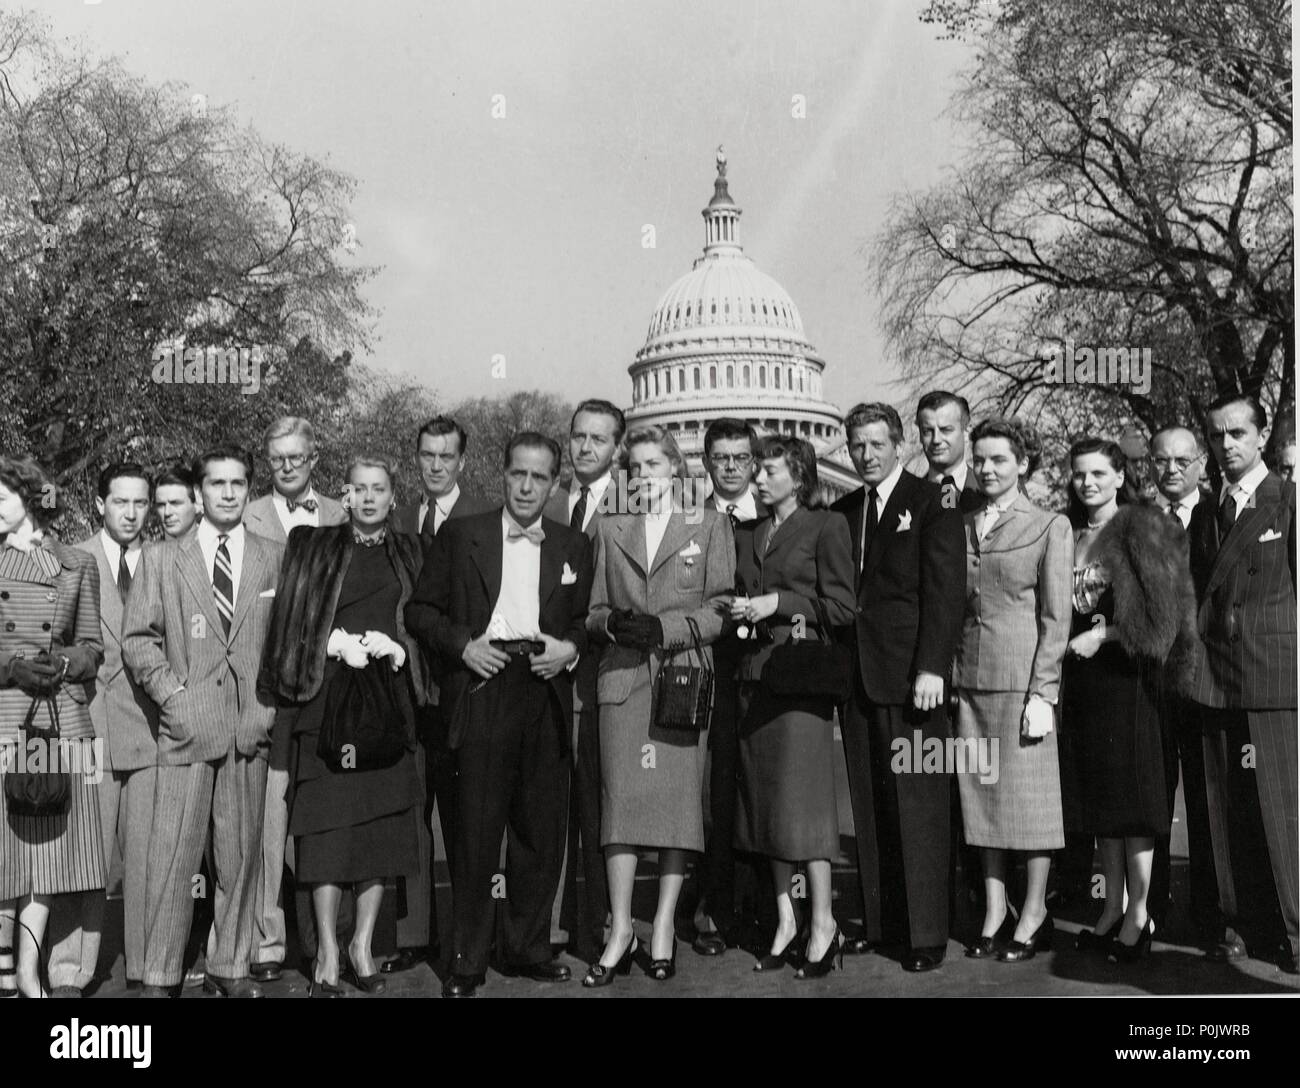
<point>1243,563</point>
<point>193,633</point>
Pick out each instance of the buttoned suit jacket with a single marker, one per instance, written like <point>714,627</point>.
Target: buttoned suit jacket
<point>173,636</point>
<point>909,590</point>
<point>693,570</point>
<point>124,716</point>
<point>36,609</point>
<point>1019,599</point>
<point>458,590</point>
<point>260,516</point>
<point>1246,602</point>
<point>406,519</point>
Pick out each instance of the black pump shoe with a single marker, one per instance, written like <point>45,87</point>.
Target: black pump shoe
<point>600,975</point>
<point>663,970</point>
<point>824,966</point>
<point>1089,940</point>
<point>1020,951</point>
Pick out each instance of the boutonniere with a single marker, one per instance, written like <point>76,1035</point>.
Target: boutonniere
<point>568,576</point>
<point>904,521</point>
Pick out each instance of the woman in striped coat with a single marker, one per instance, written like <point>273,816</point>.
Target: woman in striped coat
<point>49,601</point>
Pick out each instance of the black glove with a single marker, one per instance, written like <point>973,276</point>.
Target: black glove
<point>35,677</point>
<point>636,629</point>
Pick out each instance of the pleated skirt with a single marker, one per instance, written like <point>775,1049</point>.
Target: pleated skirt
<point>50,855</point>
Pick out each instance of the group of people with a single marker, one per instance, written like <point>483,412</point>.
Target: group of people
<point>294,684</point>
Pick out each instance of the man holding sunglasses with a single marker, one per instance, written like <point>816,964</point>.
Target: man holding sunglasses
<point>290,445</point>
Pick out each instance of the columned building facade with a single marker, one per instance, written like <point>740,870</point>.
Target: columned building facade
<point>727,340</point>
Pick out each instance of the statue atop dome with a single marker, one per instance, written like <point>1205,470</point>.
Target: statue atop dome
<point>722,162</point>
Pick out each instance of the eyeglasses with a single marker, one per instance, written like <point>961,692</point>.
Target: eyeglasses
<point>1180,463</point>
<point>296,460</point>
<point>741,460</point>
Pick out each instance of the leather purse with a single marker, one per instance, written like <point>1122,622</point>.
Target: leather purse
<point>684,691</point>
<point>362,729</point>
<point>817,668</point>
<point>40,793</point>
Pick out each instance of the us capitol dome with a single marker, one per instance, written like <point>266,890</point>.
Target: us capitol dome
<point>727,340</point>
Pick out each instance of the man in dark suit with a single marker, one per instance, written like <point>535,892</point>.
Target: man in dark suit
<point>1243,563</point>
<point>192,636</point>
<point>502,601</point>
<point>1177,463</point>
<point>730,447</point>
<point>595,432</point>
<point>290,447</point>
<point>441,447</point>
<point>909,549</point>
<point>126,723</point>
<point>943,423</point>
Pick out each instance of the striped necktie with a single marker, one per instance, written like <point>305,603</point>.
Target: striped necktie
<point>123,575</point>
<point>223,583</point>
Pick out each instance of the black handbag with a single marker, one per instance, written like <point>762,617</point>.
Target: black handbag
<point>684,692</point>
<point>817,668</point>
<point>40,793</point>
<point>362,729</point>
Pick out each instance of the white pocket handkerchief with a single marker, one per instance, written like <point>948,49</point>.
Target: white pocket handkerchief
<point>267,593</point>
<point>904,521</point>
<point>568,576</point>
<point>691,549</point>
<point>1272,534</point>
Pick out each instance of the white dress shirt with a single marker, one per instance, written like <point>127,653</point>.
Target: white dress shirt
<point>1244,489</point>
<point>441,509</point>
<point>516,614</point>
<point>883,490</point>
<point>595,493</point>
<point>655,527</point>
<point>1185,505</point>
<point>290,521</point>
<point>743,508</point>
<point>207,538</point>
<point>113,553</point>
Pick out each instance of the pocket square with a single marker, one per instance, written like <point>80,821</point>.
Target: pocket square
<point>568,576</point>
<point>267,593</point>
<point>904,521</point>
<point>691,549</point>
<point>1272,534</point>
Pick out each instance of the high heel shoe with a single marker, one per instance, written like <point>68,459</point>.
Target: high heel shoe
<point>824,966</point>
<point>1089,940</point>
<point>1131,953</point>
<point>776,961</point>
<point>1020,951</point>
<point>321,988</point>
<point>600,975</point>
<point>986,948</point>
<point>663,970</point>
<point>368,984</point>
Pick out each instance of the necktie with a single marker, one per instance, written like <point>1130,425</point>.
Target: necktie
<point>535,533</point>
<point>307,504</point>
<point>948,482</point>
<point>870,520</point>
<point>123,576</point>
<point>430,523</point>
<point>223,583</point>
<point>731,514</point>
<point>1173,512</point>
<point>579,515</point>
<point>1227,512</point>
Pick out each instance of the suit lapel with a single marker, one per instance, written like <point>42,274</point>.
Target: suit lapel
<point>675,536</point>
<point>110,601</point>
<point>250,577</point>
<point>1006,518</point>
<point>486,551</point>
<point>890,518</point>
<point>631,541</point>
<point>786,533</point>
<point>194,571</point>
<point>548,576</point>
<point>1251,523</point>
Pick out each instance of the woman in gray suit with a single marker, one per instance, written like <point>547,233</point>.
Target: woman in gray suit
<point>51,648</point>
<point>657,572</point>
<point>1007,675</point>
<point>795,566</point>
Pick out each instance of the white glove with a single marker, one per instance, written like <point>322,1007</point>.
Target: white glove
<point>348,648</point>
<point>1037,720</point>
<point>378,644</point>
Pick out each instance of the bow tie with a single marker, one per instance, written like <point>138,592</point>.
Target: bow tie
<point>307,504</point>
<point>535,533</point>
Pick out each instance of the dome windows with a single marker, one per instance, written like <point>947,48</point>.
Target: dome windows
<point>731,376</point>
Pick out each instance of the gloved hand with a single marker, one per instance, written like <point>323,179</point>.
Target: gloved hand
<point>34,676</point>
<point>1037,720</point>
<point>378,644</point>
<point>636,630</point>
<point>347,647</point>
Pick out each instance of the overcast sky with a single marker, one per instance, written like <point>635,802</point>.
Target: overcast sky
<point>522,235</point>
